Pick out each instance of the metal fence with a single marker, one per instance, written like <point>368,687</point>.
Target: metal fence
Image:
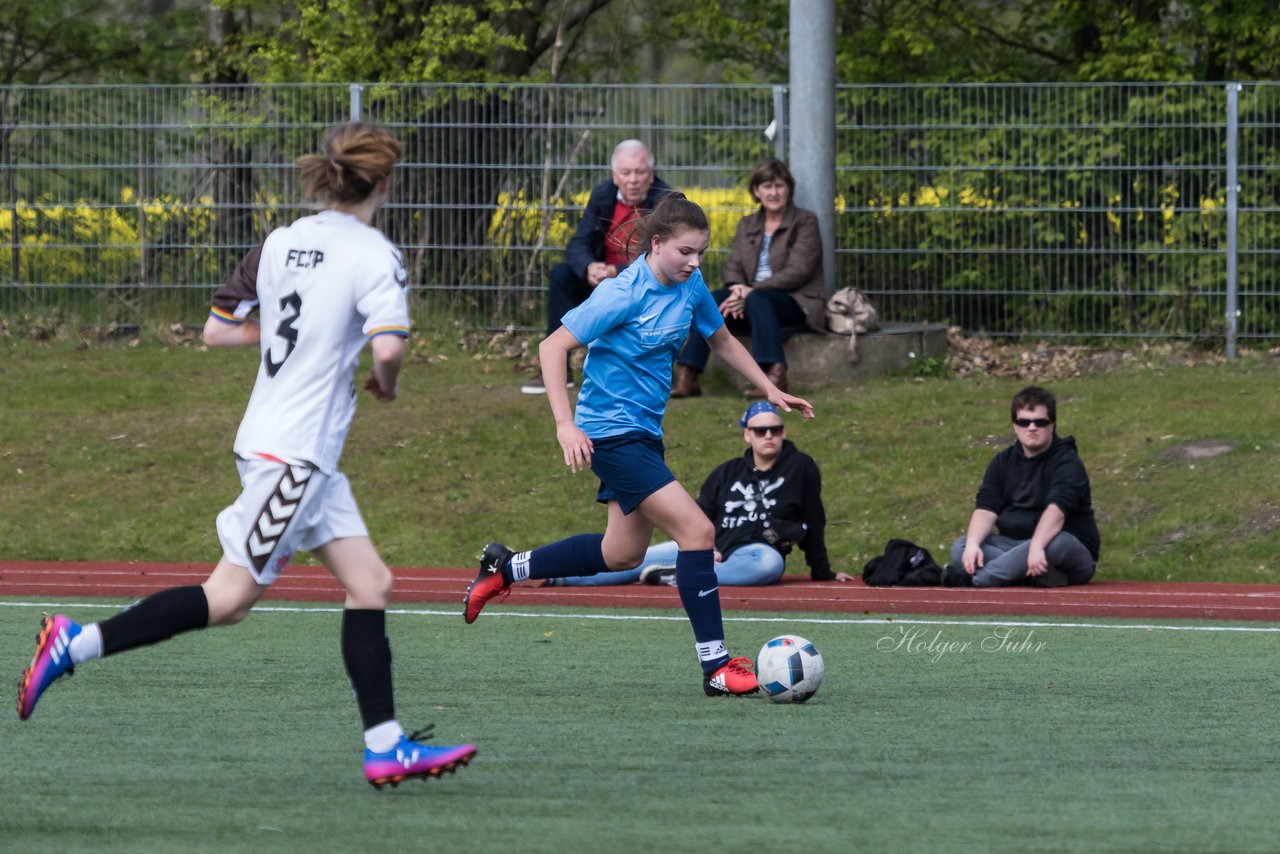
<point>1047,210</point>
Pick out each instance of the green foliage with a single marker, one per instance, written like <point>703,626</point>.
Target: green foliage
<point>93,41</point>
<point>1094,207</point>
<point>357,40</point>
<point>610,41</point>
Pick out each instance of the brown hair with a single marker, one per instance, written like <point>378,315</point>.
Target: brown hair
<point>674,213</point>
<point>771,169</point>
<point>1031,397</point>
<point>354,159</point>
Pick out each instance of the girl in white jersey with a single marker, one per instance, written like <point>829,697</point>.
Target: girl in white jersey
<point>322,288</point>
<point>632,326</point>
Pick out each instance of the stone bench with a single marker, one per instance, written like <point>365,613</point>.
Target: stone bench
<point>816,360</point>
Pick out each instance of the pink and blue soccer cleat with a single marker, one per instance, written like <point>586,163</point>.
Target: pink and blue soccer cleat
<point>52,660</point>
<point>411,759</point>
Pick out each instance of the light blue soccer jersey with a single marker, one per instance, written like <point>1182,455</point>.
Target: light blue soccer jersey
<point>633,325</point>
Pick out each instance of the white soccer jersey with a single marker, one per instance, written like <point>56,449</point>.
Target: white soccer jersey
<point>322,287</point>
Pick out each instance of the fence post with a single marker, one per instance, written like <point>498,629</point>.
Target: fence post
<point>1233,208</point>
<point>780,122</point>
<point>356,91</point>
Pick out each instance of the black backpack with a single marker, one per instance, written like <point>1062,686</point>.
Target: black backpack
<point>902,564</point>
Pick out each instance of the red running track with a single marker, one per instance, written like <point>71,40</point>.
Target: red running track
<point>1122,599</point>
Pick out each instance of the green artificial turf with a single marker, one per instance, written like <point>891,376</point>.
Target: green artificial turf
<point>594,735</point>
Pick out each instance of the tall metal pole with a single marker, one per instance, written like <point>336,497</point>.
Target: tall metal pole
<point>1233,210</point>
<point>812,129</point>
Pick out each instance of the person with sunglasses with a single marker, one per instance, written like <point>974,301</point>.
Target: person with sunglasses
<point>763,504</point>
<point>1033,521</point>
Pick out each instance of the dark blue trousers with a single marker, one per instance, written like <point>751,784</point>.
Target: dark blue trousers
<point>767,312</point>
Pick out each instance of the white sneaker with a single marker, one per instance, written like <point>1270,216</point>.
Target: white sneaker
<point>536,386</point>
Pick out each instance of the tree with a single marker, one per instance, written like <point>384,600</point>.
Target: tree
<point>85,41</point>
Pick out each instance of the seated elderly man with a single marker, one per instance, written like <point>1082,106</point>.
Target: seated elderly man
<point>601,246</point>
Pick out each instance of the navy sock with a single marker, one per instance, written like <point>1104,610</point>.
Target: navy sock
<point>571,557</point>
<point>156,618</point>
<point>700,595</point>
<point>366,652</point>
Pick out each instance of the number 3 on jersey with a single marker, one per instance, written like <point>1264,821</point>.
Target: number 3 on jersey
<point>290,308</point>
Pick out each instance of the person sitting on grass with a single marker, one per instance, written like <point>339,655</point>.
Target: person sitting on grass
<point>322,288</point>
<point>763,504</point>
<point>1036,495</point>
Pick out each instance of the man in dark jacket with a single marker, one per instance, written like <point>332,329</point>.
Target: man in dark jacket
<point>601,246</point>
<point>1036,495</point>
<point>763,504</point>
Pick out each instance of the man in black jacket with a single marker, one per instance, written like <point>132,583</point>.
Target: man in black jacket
<point>1036,495</point>
<point>763,504</point>
<point>601,246</point>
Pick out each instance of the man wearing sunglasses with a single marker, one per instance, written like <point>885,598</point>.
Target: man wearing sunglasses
<point>763,503</point>
<point>1036,495</point>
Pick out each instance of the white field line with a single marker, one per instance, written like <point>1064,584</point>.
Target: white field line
<point>454,613</point>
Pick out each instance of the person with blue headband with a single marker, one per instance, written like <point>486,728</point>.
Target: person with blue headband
<point>763,504</point>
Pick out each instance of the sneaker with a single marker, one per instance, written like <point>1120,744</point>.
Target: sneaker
<point>667,578</point>
<point>488,581</point>
<point>734,679</point>
<point>410,758</point>
<point>52,660</point>
<point>653,574</point>
<point>955,576</point>
<point>536,386</point>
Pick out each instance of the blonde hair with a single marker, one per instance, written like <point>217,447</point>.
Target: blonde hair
<point>354,159</point>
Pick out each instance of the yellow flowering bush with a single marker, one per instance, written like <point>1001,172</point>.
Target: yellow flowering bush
<point>90,243</point>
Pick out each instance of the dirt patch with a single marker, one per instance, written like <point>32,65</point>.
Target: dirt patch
<point>1264,521</point>
<point>1200,449</point>
<point>1042,361</point>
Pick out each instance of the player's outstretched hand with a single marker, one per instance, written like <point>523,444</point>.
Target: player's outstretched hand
<point>375,388</point>
<point>786,402</point>
<point>576,446</point>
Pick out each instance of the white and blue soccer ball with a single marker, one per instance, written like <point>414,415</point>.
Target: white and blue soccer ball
<point>789,669</point>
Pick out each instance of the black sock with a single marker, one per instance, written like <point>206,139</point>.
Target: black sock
<point>367,654</point>
<point>157,618</point>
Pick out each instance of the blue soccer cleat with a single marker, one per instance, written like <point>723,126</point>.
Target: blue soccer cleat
<point>52,660</point>
<point>410,758</point>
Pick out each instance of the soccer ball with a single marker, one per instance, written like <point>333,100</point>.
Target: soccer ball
<point>789,669</point>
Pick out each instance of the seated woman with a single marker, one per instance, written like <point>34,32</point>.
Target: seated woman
<point>773,281</point>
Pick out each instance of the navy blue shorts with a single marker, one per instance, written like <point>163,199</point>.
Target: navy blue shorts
<point>631,467</point>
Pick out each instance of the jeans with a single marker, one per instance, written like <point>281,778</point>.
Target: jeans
<point>1004,561</point>
<point>564,292</point>
<point>767,312</point>
<point>751,565</point>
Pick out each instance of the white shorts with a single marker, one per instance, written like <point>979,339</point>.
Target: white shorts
<point>285,508</point>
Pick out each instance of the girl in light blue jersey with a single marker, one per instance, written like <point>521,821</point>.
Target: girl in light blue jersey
<point>632,326</point>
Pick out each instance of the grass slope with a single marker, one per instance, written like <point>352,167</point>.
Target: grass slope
<point>123,453</point>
